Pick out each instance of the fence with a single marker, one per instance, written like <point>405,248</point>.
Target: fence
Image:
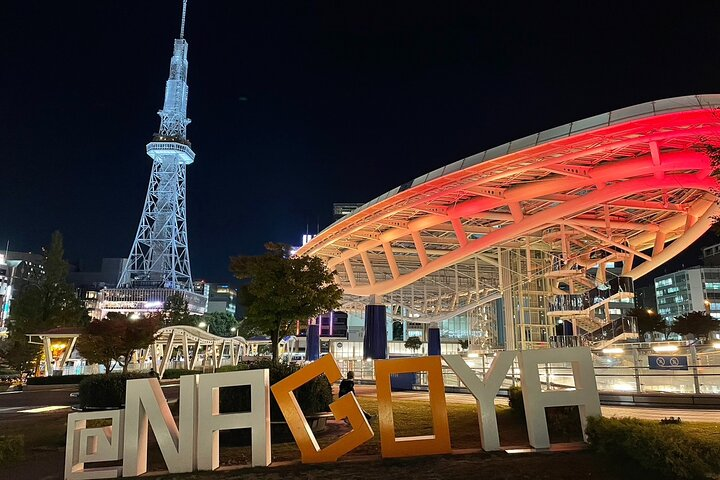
<point>695,370</point>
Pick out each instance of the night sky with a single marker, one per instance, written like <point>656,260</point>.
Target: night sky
<point>296,105</point>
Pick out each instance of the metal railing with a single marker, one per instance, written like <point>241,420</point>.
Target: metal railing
<point>627,372</point>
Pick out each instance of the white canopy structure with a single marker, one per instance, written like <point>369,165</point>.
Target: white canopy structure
<point>196,340</point>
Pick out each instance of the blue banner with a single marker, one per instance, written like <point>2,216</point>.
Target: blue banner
<point>667,362</point>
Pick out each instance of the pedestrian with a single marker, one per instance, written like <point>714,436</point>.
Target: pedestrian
<point>347,385</point>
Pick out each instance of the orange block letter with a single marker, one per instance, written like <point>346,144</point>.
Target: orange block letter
<point>345,406</point>
<point>437,443</point>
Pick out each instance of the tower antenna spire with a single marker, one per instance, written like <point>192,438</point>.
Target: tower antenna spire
<point>182,22</point>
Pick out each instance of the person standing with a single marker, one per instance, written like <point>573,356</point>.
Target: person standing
<point>347,385</point>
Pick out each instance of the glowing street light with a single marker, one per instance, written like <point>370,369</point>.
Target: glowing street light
<point>202,325</point>
<point>233,329</point>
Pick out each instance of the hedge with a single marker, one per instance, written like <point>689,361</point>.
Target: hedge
<point>105,391</point>
<point>11,448</point>
<point>667,450</point>
<point>172,373</point>
<point>56,380</point>
<point>313,397</point>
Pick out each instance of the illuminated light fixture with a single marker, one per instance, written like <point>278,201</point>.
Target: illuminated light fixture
<point>716,345</point>
<point>614,350</point>
<point>202,324</point>
<point>44,409</point>
<point>519,450</point>
<point>665,348</point>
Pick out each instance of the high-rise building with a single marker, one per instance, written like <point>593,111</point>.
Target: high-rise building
<point>711,255</point>
<point>221,297</point>
<point>159,262</point>
<point>344,208</point>
<point>694,289</point>
<point>17,270</point>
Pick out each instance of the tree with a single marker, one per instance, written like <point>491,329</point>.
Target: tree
<point>696,323</point>
<point>284,289</point>
<point>116,337</point>
<point>48,302</point>
<point>220,323</point>
<point>413,343</point>
<point>176,311</point>
<point>648,321</point>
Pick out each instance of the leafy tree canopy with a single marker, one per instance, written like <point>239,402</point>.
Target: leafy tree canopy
<point>696,323</point>
<point>648,321</point>
<point>283,290</point>
<point>116,337</point>
<point>413,343</point>
<point>220,323</point>
<point>176,311</point>
<point>48,302</point>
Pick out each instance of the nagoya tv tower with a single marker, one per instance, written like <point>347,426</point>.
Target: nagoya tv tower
<point>159,261</point>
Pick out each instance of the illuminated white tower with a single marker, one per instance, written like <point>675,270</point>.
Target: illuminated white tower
<point>159,261</point>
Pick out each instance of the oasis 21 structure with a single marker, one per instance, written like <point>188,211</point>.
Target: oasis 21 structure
<point>534,243</point>
<point>159,261</point>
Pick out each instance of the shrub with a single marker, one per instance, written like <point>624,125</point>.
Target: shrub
<point>515,399</point>
<point>313,397</point>
<point>171,373</point>
<point>105,391</point>
<point>11,448</point>
<point>232,368</point>
<point>564,424</point>
<point>665,450</point>
<point>56,380</point>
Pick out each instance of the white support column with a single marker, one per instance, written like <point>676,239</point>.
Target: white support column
<point>48,356</point>
<point>186,353</point>
<point>420,248</point>
<point>350,273</point>
<point>659,245</point>
<point>368,267</point>
<point>68,352</point>
<point>391,260</point>
<point>196,355</point>
<point>459,232</point>
<point>167,353</point>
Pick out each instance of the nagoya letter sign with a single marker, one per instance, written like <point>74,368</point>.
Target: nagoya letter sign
<point>192,443</point>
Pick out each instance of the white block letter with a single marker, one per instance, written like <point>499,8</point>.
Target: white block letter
<point>210,421</point>
<point>145,403</point>
<point>585,394</point>
<point>100,444</point>
<point>484,392</point>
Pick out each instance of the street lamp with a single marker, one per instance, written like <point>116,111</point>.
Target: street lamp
<point>233,329</point>
<point>202,325</point>
<point>650,311</point>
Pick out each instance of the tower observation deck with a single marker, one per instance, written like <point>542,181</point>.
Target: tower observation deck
<point>159,262</point>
